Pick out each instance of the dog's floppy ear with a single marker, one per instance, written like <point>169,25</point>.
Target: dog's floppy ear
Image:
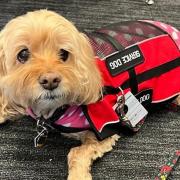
<point>8,109</point>
<point>2,56</point>
<point>91,78</point>
<point>5,109</point>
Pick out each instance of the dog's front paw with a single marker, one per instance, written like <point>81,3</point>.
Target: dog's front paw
<point>79,164</point>
<point>76,175</point>
<point>177,100</point>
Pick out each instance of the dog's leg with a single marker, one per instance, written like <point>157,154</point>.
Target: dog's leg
<point>177,100</point>
<point>80,158</point>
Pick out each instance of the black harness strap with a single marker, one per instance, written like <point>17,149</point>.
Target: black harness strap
<point>132,74</point>
<point>57,114</point>
<point>133,84</point>
<point>110,90</point>
<point>154,72</point>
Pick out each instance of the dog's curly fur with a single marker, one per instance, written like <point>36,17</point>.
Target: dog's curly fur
<point>44,33</point>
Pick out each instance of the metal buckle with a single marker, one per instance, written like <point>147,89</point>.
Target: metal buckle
<point>120,103</point>
<point>42,131</point>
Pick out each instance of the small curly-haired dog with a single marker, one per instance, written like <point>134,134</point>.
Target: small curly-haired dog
<point>43,46</point>
<point>45,63</point>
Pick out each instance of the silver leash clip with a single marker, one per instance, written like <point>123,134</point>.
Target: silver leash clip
<point>120,105</point>
<point>42,131</point>
<point>120,109</point>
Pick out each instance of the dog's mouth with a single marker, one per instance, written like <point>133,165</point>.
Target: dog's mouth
<point>50,96</point>
<point>47,102</point>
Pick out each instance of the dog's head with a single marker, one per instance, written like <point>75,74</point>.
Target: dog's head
<point>45,62</point>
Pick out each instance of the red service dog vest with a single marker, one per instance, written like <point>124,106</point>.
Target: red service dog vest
<point>139,56</point>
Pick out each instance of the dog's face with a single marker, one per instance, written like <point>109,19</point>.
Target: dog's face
<point>46,63</point>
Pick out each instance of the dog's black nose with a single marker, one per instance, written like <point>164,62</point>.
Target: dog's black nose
<point>49,81</point>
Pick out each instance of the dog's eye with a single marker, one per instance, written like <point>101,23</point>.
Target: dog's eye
<point>63,54</point>
<point>23,55</point>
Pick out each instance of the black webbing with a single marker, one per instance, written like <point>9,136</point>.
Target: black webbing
<point>154,72</point>
<point>133,84</point>
<point>110,90</point>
